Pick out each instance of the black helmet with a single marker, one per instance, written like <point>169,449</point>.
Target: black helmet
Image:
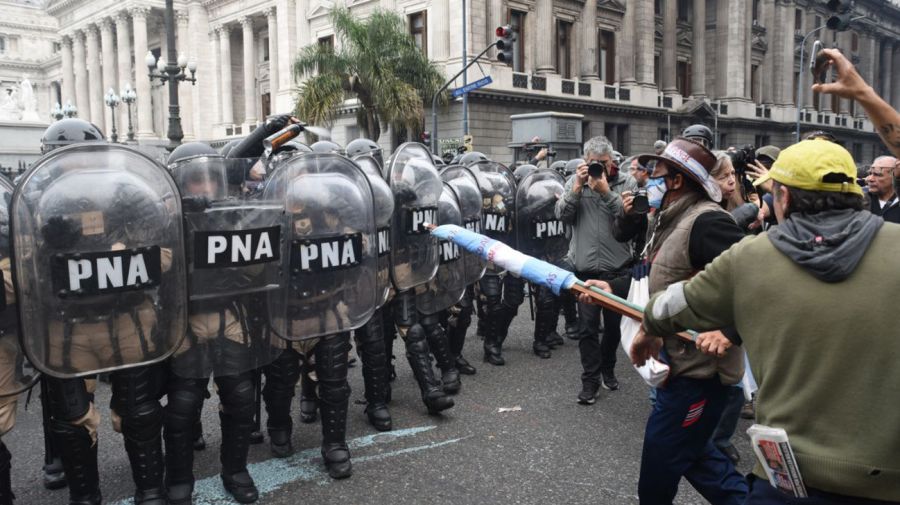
<point>572,166</point>
<point>229,146</point>
<point>472,158</point>
<point>559,166</point>
<point>360,147</point>
<point>190,150</point>
<point>325,147</point>
<point>522,171</point>
<point>70,131</point>
<point>699,133</point>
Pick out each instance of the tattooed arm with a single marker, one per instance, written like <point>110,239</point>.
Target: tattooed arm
<point>851,85</point>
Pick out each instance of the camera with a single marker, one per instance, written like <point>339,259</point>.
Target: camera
<point>596,169</point>
<point>640,204</point>
<point>743,157</point>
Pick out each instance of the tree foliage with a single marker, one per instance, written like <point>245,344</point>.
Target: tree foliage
<point>374,60</point>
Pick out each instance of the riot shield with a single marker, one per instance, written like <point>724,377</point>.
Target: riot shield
<point>449,284</point>
<point>498,204</point>
<point>16,373</point>
<point>331,247</point>
<point>465,184</point>
<point>98,251</point>
<point>384,213</point>
<point>539,233</point>
<point>417,187</point>
<point>234,252</point>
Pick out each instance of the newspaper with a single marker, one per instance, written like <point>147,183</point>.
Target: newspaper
<point>774,452</point>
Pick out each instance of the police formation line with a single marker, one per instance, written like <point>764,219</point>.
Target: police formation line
<point>249,266</point>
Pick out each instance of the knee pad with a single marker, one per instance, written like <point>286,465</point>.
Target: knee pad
<point>513,292</point>
<point>372,331</point>
<point>137,386</point>
<point>331,355</point>
<point>237,394</point>
<point>143,422</point>
<point>68,399</point>
<point>415,340</point>
<point>282,375</point>
<point>403,308</point>
<point>185,401</point>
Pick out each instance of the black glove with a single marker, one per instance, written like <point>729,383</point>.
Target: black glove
<point>61,232</point>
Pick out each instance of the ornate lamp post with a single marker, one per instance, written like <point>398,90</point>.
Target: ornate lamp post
<point>112,101</point>
<point>70,110</point>
<point>172,70</point>
<point>129,96</point>
<point>56,112</point>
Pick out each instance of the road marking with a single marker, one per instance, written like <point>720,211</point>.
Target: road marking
<point>272,474</point>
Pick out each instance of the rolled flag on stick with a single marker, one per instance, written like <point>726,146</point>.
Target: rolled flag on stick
<point>537,271</point>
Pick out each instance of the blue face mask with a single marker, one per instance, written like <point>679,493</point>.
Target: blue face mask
<point>656,191</point>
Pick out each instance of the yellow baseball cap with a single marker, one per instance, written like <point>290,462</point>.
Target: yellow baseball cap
<point>815,165</point>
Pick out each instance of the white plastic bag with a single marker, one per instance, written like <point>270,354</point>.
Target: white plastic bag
<point>653,372</point>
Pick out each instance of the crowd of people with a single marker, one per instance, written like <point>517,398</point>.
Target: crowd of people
<point>767,252</point>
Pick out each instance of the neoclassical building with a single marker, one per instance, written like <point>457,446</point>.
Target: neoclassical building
<point>636,70</point>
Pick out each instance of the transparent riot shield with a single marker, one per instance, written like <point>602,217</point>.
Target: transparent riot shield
<point>234,257</point>
<point>449,284</point>
<point>16,373</point>
<point>417,187</point>
<point>98,251</point>
<point>330,245</point>
<point>384,214</point>
<point>465,184</point>
<point>539,232</point>
<point>498,194</point>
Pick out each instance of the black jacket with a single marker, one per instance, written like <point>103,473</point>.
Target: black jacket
<point>890,212</point>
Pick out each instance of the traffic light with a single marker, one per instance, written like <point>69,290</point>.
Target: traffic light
<point>506,38</point>
<point>840,20</point>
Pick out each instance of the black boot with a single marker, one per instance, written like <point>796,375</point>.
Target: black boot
<point>420,362</point>
<point>79,458</point>
<point>147,468</point>
<point>546,315</point>
<point>331,367</point>
<point>309,399</point>
<point>54,474</point>
<point>6,494</point>
<point>492,339</point>
<point>179,465</point>
<point>281,379</point>
<point>570,314</point>
<point>234,449</point>
<point>554,340</point>
<point>370,346</point>
<point>437,343</point>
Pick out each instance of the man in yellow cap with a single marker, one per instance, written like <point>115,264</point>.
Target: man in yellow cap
<point>801,297</point>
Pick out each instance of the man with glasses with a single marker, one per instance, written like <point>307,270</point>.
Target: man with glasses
<point>883,200</point>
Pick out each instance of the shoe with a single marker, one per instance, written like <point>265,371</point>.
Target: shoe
<point>280,442</point>
<point>464,367</point>
<point>450,382</point>
<point>731,453</point>
<point>492,355</point>
<point>379,417</point>
<point>351,362</point>
<point>589,393</point>
<point>541,350</point>
<point>554,340</point>
<point>54,475</point>
<point>572,331</point>
<point>180,494</point>
<point>337,460</point>
<point>748,411</point>
<point>610,383</point>
<point>241,487</point>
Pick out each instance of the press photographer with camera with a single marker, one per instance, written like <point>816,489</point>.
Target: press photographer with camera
<point>590,204</point>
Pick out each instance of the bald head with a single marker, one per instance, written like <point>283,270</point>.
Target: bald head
<point>880,180</point>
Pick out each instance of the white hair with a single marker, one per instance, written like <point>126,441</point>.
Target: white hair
<point>598,145</point>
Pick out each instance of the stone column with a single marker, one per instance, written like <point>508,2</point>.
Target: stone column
<point>217,69</point>
<point>887,59</point>
<point>748,50</point>
<point>589,57</point>
<point>141,77</point>
<point>669,57</point>
<point>782,44</point>
<point>625,47</point>
<point>225,59</point>
<point>644,42</point>
<point>440,23</point>
<point>250,92</point>
<point>95,79</point>
<point>108,45</point>
<point>82,100</point>
<point>543,37</point>
<point>286,19</point>
<point>767,76</point>
<point>273,56</point>
<point>698,51</point>
<point>844,43</point>
<point>68,73</point>
<point>867,52</point>
<point>123,50</point>
<point>731,65</point>
<point>895,78</point>
<point>185,93</point>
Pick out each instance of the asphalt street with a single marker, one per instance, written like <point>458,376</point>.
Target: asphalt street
<point>544,449</point>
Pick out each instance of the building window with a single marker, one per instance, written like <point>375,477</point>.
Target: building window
<point>517,21</point>
<point>265,49</point>
<point>3,45</point>
<point>607,64</point>
<point>723,141</point>
<point>755,12</point>
<point>656,70</point>
<point>798,20</point>
<point>418,28</point>
<point>683,78</point>
<point>564,49</point>
<point>854,42</point>
<point>857,152</point>
<point>57,47</point>
<point>795,88</point>
<point>327,41</point>
<point>754,83</point>
<point>818,22</point>
<point>684,11</point>
<point>658,7</point>
<point>761,140</point>
<point>617,135</point>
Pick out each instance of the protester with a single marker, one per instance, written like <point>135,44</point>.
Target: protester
<point>883,201</point>
<point>659,146</point>
<point>590,205</point>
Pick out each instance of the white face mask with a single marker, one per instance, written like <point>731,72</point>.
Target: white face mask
<point>656,191</point>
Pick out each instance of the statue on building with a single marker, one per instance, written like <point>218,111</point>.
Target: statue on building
<point>9,108</point>
<point>28,101</point>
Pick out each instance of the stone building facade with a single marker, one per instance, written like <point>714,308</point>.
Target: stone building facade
<point>636,69</point>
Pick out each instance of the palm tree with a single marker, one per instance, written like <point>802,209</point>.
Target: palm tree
<point>377,62</point>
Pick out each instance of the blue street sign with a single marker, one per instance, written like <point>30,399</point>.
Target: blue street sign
<point>472,86</point>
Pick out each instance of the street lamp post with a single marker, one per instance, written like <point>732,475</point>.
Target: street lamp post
<point>112,101</point>
<point>172,70</point>
<point>70,110</point>
<point>56,112</point>
<point>129,96</point>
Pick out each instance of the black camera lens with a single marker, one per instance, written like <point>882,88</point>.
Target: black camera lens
<point>596,170</point>
<point>640,204</point>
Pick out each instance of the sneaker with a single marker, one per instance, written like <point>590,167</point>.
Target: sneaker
<point>589,393</point>
<point>609,381</point>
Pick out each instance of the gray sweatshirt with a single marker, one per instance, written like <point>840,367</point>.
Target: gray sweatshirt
<point>590,214</point>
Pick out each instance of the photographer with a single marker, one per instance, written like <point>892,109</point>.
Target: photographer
<point>590,204</point>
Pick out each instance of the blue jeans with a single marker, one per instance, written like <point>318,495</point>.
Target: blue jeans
<point>677,443</point>
<point>762,493</point>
